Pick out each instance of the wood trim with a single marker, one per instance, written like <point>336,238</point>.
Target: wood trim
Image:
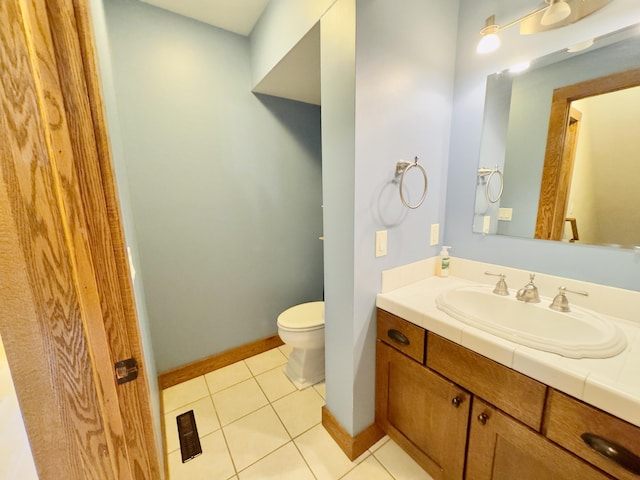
<point>200,367</point>
<point>51,321</point>
<point>550,217</point>
<point>353,447</point>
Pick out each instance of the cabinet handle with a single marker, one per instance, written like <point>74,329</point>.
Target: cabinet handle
<point>614,452</point>
<point>456,401</point>
<point>397,337</point>
<point>482,418</point>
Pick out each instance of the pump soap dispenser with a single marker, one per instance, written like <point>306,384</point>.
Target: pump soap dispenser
<point>443,267</point>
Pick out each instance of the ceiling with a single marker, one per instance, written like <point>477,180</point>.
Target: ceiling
<point>296,76</point>
<point>237,16</point>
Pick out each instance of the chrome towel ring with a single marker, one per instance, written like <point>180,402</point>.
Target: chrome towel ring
<point>402,167</point>
<point>489,173</point>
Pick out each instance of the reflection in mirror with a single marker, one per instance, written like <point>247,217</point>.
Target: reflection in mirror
<point>517,133</point>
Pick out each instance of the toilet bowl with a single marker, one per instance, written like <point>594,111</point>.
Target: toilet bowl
<point>302,328</point>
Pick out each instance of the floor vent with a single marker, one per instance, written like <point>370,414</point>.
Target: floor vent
<point>188,434</point>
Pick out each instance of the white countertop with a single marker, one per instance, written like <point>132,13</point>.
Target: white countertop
<point>611,384</point>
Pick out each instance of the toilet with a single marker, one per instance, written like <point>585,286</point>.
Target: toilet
<point>302,328</point>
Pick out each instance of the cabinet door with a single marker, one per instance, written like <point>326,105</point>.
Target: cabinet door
<point>500,448</point>
<point>424,413</point>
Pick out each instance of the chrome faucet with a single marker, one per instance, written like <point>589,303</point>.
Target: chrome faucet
<point>501,287</point>
<point>529,293</point>
<point>560,302</point>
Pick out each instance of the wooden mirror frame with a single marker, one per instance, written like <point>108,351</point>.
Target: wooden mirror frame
<point>558,161</point>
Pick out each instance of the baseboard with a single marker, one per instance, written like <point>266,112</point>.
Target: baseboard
<point>353,447</point>
<point>209,364</point>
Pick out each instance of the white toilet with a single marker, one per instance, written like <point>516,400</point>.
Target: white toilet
<point>302,328</point>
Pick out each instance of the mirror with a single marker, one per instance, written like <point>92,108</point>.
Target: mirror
<point>590,189</point>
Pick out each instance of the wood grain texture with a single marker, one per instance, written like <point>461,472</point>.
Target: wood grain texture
<point>550,207</point>
<point>518,395</point>
<point>69,410</point>
<point>568,418</point>
<point>200,367</point>
<point>353,447</point>
<point>504,449</point>
<point>415,407</point>
<point>75,57</point>
<point>414,334</point>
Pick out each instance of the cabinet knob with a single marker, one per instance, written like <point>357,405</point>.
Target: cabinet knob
<point>482,418</point>
<point>456,402</point>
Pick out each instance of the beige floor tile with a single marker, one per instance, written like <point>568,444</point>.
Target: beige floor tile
<point>275,384</point>
<point>286,463</point>
<point>239,400</point>
<point>285,349</point>
<point>369,469</point>
<point>322,454</point>
<point>184,393</point>
<point>399,463</point>
<point>266,361</point>
<point>255,436</point>
<point>214,463</point>
<point>300,410</point>
<point>206,421</point>
<point>227,376</point>
<point>379,444</point>
<point>321,388</point>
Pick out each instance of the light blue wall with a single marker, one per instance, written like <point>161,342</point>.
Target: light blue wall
<point>225,186</point>
<point>398,107</point>
<point>619,268</point>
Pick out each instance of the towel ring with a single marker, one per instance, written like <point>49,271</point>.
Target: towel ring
<point>402,167</point>
<point>489,173</point>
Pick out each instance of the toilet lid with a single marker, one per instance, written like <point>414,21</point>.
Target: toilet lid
<point>305,315</point>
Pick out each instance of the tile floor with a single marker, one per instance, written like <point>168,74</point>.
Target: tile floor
<point>255,425</point>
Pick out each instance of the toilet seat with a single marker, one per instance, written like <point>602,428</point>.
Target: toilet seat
<point>303,317</point>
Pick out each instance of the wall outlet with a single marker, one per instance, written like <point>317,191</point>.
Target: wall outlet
<point>381,243</point>
<point>435,234</point>
<point>505,214</point>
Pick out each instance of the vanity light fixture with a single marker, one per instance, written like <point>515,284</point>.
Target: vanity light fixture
<point>558,10</point>
<point>554,12</point>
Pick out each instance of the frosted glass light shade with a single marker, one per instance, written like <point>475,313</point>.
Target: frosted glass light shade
<point>488,43</point>
<point>558,10</point>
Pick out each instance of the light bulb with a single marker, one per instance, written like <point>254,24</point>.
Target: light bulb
<point>490,40</point>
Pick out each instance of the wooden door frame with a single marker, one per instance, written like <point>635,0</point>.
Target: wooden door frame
<point>68,311</point>
<point>551,212</point>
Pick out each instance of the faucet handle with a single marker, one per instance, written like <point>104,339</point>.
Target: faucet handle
<point>560,302</point>
<point>501,286</point>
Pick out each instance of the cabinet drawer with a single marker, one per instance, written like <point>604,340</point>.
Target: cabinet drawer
<point>514,393</point>
<point>402,335</point>
<point>568,419</point>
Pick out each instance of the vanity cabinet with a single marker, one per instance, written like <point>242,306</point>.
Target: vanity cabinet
<point>462,415</point>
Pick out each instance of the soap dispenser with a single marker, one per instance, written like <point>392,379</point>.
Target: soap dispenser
<point>443,266</point>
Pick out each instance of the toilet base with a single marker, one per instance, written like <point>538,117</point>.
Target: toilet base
<point>305,367</point>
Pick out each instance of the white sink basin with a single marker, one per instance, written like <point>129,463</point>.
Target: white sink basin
<point>580,333</point>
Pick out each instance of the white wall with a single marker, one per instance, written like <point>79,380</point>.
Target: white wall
<point>597,264</point>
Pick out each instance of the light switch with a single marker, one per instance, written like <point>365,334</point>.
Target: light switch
<point>486,224</point>
<point>505,214</point>
<point>435,234</point>
<point>381,243</point>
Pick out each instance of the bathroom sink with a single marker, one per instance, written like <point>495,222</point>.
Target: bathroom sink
<point>580,333</point>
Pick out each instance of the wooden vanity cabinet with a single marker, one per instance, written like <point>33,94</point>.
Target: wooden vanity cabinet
<point>462,415</point>
<point>423,412</point>
<point>501,448</point>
